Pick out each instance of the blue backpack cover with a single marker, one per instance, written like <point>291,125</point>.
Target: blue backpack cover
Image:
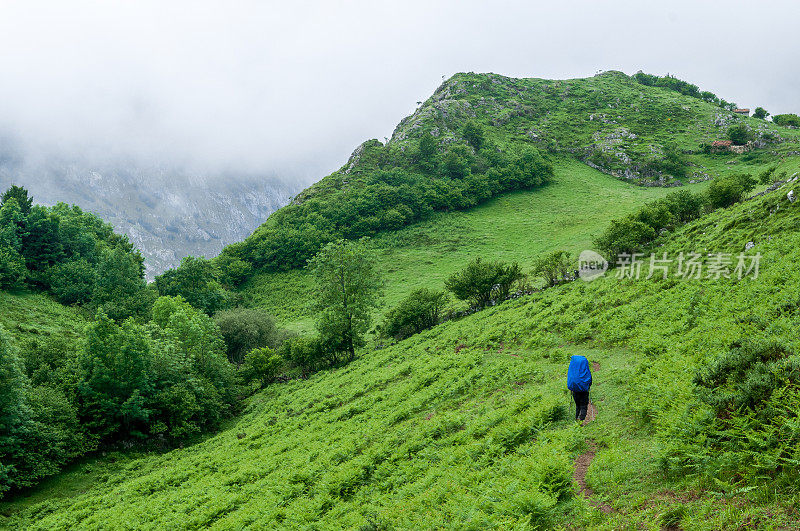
<point>579,377</point>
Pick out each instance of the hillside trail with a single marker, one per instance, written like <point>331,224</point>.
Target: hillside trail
<point>584,460</point>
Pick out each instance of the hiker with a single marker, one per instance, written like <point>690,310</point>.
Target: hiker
<point>579,380</point>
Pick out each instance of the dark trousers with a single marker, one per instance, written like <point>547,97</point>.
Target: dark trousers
<point>581,404</point>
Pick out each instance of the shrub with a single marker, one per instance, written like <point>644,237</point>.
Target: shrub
<point>474,135</point>
<point>725,191</point>
<point>623,236</point>
<point>554,267</point>
<point>683,205</point>
<point>245,329</point>
<point>765,177</point>
<point>420,310</point>
<point>197,280</point>
<point>786,120</point>
<point>262,365</point>
<point>760,113</point>
<point>482,282</point>
<point>305,353</point>
<point>740,134</point>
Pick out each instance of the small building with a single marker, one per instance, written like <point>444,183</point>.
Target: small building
<point>742,111</point>
<point>718,146</point>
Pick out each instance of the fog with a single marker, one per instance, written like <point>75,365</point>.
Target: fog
<point>290,88</point>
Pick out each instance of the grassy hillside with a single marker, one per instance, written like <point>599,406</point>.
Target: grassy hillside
<point>28,316</point>
<point>481,135</point>
<point>520,226</point>
<point>468,425</point>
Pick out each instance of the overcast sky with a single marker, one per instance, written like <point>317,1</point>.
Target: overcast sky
<point>292,87</point>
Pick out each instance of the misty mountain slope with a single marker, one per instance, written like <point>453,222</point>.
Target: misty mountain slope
<point>168,214</point>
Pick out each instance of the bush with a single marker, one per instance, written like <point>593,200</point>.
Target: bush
<point>245,329</point>
<point>765,177</point>
<point>740,134</point>
<point>623,236</point>
<point>262,365</point>
<point>482,283</point>
<point>304,353</point>
<point>760,113</point>
<point>684,206</point>
<point>420,310</point>
<point>554,267</point>
<point>786,120</point>
<point>197,280</point>
<point>726,191</point>
<point>474,135</point>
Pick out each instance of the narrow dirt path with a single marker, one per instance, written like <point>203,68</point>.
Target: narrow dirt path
<point>584,460</point>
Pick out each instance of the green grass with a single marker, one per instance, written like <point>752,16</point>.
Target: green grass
<point>468,425</point>
<point>28,316</point>
<point>519,226</point>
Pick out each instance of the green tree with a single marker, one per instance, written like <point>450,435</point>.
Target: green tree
<point>73,282</point>
<point>456,162</point>
<point>760,113</point>
<point>420,310</point>
<point>624,236</point>
<point>554,267</point>
<point>482,282</point>
<point>197,281</point>
<point>474,134</point>
<point>245,329</point>
<point>725,191</point>
<point>115,378</point>
<point>14,412</point>
<point>21,195</point>
<point>120,288</point>
<point>262,365</point>
<point>12,268</point>
<point>347,287</point>
<point>786,120</point>
<point>740,134</point>
<point>427,156</point>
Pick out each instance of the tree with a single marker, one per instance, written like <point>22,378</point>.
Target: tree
<point>420,310</point>
<point>21,195</point>
<point>14,412</point>
<point>482,282</point>
<point>684,205</point>
<point>263,365</point>
<point>347,287</point>
<point>245,329</point>
<point>474,135</point>
<point>760,113</point>
<point>725,191</point>
<point>456,162</point>
<point>120,288</point>
<point>554,267</point>
<point>786,120</point>
<point>115,378</point>
<point>427,156</point>
<point>740,134</point>
<point>623,236</point>
<point>197,281</point>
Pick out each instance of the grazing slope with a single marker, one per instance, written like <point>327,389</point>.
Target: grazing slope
<point>468,424</point>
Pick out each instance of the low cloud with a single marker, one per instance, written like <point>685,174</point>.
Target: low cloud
<point>290,88</point>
